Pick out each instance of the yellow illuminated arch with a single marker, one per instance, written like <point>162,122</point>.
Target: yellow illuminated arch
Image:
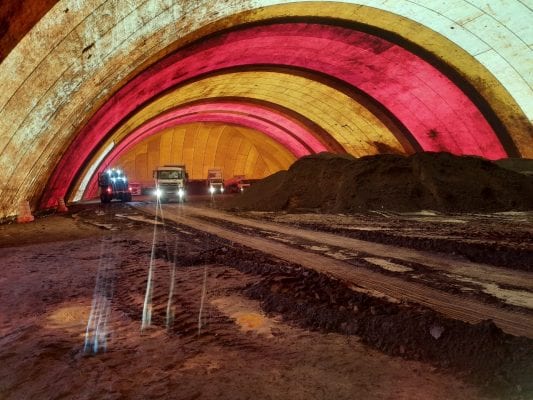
<point>200,146</point>
<point>347,121</point>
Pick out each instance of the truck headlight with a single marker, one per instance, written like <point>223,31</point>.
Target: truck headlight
<point>181,192</point>
<point>211,189</point>
<point>158,192</point>
<point>221,190</point>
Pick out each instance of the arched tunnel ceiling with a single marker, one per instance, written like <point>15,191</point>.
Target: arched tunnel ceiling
<point>350,124</point>
<point>17,17</point>
<point>80,53</point>
<point>437,113</point>
<point>200,146</point>
<point>284,131</point>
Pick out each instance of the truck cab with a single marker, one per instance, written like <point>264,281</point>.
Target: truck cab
<point>238,184</point>
<point>171,182</point>
<point>215,183</point>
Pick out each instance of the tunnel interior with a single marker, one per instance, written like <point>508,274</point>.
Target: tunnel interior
<point>250,90</point>
<point>369,235</point>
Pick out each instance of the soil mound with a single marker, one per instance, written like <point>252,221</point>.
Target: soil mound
<point>429,181</point>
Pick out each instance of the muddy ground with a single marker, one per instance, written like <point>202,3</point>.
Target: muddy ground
<point>236,324</point>
<point>502,239</point>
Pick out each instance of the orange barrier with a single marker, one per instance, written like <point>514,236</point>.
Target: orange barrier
<point>24,214</point>
<point>61,207</point>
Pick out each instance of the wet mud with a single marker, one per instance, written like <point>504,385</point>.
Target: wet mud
<point>500,363</point>
<point>496,239</point>
<point>238,324</point>
<point>516,253</point>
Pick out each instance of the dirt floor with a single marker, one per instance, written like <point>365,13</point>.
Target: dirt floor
<point>108,303</point>
<point>502,239</point>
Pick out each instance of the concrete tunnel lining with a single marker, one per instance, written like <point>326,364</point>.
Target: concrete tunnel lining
<point>203,145</point>
<point>288,133</point>
<point>342,10</point>
<point>153,82</point>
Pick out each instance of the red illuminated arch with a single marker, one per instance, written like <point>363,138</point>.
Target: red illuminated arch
<point>287,132</point>
<point>435,111</point>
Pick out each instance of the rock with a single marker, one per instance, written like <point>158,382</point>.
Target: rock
<point>436,331</point>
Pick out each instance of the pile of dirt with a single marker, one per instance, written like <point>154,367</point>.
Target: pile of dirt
<point>423,181</point>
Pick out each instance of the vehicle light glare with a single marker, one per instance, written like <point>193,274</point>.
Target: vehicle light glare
<point>181,192</point>
<point>211,189</point>
<point>158,192</point>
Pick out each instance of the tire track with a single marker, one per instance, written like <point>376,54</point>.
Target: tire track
<point>450,264</point>
<point>453,306</point>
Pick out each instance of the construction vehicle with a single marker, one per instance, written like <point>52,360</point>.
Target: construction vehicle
<point>136,188</point>
<point>215,183</point>
<point>113,184</point>
<point>237,184</point>
<point>171,182</point>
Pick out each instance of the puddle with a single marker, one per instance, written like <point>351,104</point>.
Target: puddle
<point>421,212</point>
<point>246,314</point>
<point>362,228</point>
<point>109,227</point>
<point>339,255</point>
<point>514,213</point>
<point>317,248</point>
<point>140,218</point>
<point>375,293</point>
<point>71,318</point>
<point>520,298</point>
<point>281,239</point>
<point>389,266</point>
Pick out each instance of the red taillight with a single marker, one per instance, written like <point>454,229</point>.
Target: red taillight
<point>129,189</point>
<point>109,190</point>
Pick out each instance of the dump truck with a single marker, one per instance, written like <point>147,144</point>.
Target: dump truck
<point>215,183</point>
<point>113,184</point>
<point>136,188</point>
<point>171,182</point>
<point>237,184</point>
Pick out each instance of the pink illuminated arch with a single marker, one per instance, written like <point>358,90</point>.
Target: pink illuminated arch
<point>293,136</point>
<point>439,116</point>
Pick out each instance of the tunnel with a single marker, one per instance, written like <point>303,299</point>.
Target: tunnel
<point>265,90</point>
<point>288,79</point>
